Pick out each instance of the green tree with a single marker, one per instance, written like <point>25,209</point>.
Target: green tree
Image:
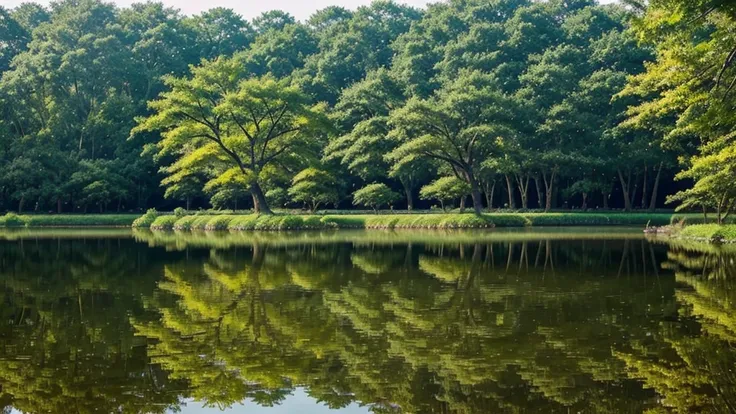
<point>314,187</point>
<point>445,189</point>
<point>15,38</point>
<point>248,124</point>
<point>460,126</point>
<point>220,32</point>
<point>714,175</point>
<point>375,196</point>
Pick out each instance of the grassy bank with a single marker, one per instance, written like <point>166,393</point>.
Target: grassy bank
<point>280,222</point>
<point>393,221</point>
<point>710,233</point>
<point>67,220</point>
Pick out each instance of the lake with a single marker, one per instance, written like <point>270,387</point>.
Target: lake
<point>550,320</point>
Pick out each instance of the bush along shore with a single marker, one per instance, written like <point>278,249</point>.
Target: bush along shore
<point>707,233</point>
<point>67,220</point>
<point>214,220</point>
<point>280,222</point>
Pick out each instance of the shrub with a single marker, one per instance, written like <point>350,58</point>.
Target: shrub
<point>164,223</point>
<point>180,212</point>
<point>185,223</point>
<point>244,222</point>
<point>81,220</point>
<point>280,222</point>
<point>12,220</point>
<point>710,232</point>
<point>219,223</point>
<point>146,220</point>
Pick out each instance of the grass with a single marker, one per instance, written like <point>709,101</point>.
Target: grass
<point>710,232</point>
<point>285,222</point>
<point>67,220</point>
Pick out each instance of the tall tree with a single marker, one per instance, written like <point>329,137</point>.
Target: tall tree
<point>460,126</point>
<point>220,115</point>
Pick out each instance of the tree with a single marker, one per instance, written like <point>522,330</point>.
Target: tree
<point>14,38</point>
<point>220,32</point>
<point>219,115</point>
<point>184,184</point>
<point>275,20</point>
<point>690,109</point>
<point>314,187</point>
<point>375,196</point>
<point>714,174</point>
<point>445,189</point>
<point>460,126</point>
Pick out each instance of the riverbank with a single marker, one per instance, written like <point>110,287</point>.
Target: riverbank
<point>394,221</point>
<point>68,220</point>
<point>281,222</point>
<point>706,233</point>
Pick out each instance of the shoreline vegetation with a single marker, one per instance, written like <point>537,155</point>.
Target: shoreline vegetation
<point>181,221</point>
<point>702,233</point>
<point>667,223</point>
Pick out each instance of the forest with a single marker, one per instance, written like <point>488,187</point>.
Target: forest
<point>510,104</point>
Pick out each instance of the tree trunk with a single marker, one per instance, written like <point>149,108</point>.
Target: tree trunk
<point>475,192</point>
<point>585,202</point>
<point>58,205</point>
<point>21,203</point>
<point>655,188</point>
<point>523,183</point>
<point>549,186</point>
<point>606,195</point>
<point>644,189</point>
<point>540,192</point>
<point>625,187</point>
<point>462,204</point>
<point>189,202</point>
<point>409,196</point>
<point>510,189</point>
<point>260,205</point>
<point>635,181</point>
<point>477,199</point>
<point>489,195</point>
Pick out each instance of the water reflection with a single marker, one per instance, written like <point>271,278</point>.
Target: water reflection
<point>459,322</point>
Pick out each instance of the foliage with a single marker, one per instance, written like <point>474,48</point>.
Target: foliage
<point>220,120</point>
<point>147,219</point>
<point>12,220</point>
<point>163,223</point>
<point>710,232</point>
<point>123,108</point>
<point>445,189</point>
<point>283,222</point>
<point>314,187</point>
<point>375,196</point>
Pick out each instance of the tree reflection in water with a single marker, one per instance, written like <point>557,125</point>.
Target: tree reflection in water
<point>445,324</point>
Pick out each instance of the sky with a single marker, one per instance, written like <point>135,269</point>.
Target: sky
<point>301,9</point>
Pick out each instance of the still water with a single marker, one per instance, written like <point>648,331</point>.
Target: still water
<point>561,321</point>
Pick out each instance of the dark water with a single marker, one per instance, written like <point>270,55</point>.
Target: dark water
<point>559,321</point>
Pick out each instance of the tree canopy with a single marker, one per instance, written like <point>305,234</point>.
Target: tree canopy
<point>562,103</point>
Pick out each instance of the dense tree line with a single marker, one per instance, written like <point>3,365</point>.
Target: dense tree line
<point>508,103</point>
